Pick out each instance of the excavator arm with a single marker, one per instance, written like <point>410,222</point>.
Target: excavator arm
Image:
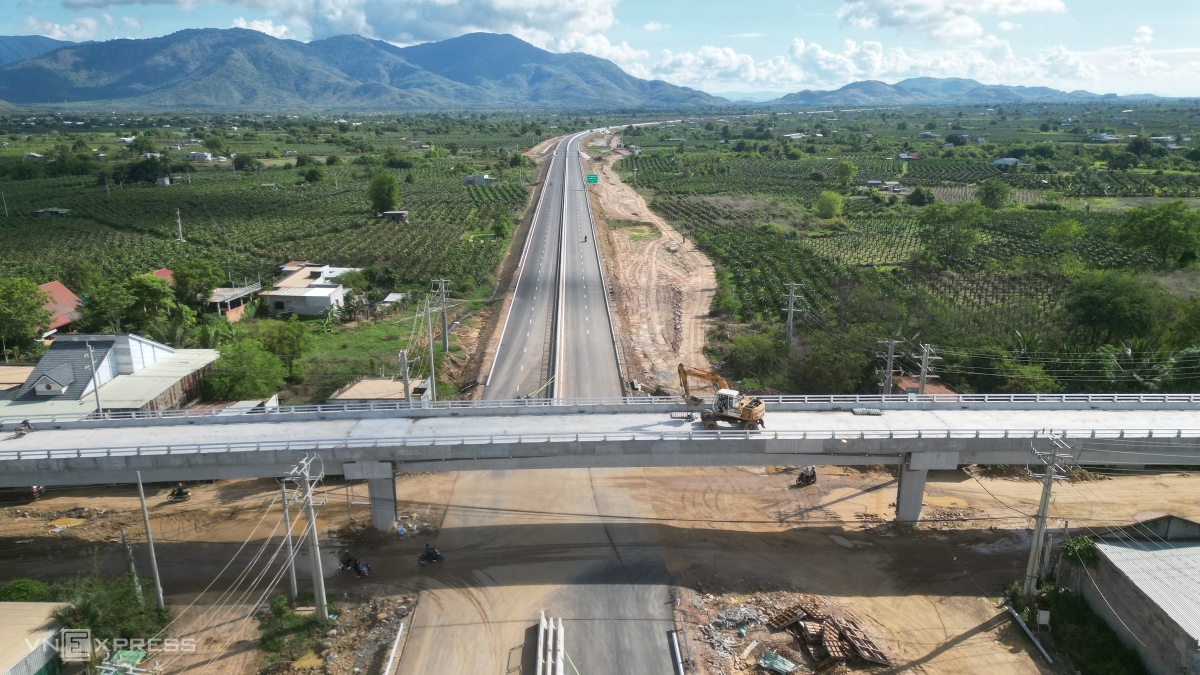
<point>687,372</point>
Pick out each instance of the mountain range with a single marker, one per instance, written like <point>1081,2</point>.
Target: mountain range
<point>238,68</point>
<point>938,91</point>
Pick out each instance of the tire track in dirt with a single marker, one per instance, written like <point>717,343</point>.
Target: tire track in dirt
<point>663,285</point>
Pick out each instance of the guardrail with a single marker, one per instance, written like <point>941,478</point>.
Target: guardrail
<point>614,437</point>
<point>658,402</point>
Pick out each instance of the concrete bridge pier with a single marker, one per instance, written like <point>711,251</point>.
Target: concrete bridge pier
<point>914,470</point>
<point>381,490</point>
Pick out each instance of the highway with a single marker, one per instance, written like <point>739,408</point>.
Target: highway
<point>558,325</point>
<point>587,359</point>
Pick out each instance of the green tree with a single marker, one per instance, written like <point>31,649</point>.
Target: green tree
<point>453,147</point>
<point>81,276</point>
<point>1063,233</point>
<point>246,370</point>
<point>195,280</point>
<point>384,192</point>
<point>846,171</point>
<point>142,144</point>
<point>24,590</point>
<point>105,307</point>
<point>305,160</point>
<point>333,160</point>
<point>503,226</point>
<point>244,162</point>
<point>285,339</point>
<point>153,302</point>
<point>1123,162</point>
<point>949,234</point>
<point>1109,306</point>
<point>993,193</point>
<point>23,314</point>
<point>314,175</point>
<point>1171,231</point>
<point>920,196</point>
<point>214,144</point>
<point>279,608</point>
<point>829,367</point>
<point>829,205</point>
<point>1140,146</point>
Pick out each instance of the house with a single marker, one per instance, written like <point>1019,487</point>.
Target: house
<point>231,302</point>
<point>908,156</point>
<point>308,289</point>
<point>127,139</point>
<point>1007,161</point>
<point>981,139</point>
<point>478,179</point>
<point>1145,587</point>
<point>63,306</point>
<point>928,134</point>
<point>391,299</point>
<point>130,373</point>
<point>196,156</point>
<point>30,155</point>
<point>164,273</point>
<point>875,183</point>
<point>168,180</point>
<point>51,211</point>
<point>1102,138</point>
<point>396,216</point>
<point>28,637</point>
<point>368,389</point>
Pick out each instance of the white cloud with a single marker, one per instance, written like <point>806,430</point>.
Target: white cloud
<point>747,35</point>
<point>944,19</point>
<point>84,28</point>
<point>1008,25</point>
<point>265,26</point>
<point>131,22</point>
<point>655,26</point>
<point>1143,35</point>
<point>1063,64</point>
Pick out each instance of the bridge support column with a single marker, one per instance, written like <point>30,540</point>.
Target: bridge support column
<point>912,474</point>
<point>910,494</point>
<point>381,489</point>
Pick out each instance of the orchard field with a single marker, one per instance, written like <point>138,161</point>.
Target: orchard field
<point>885,246</point>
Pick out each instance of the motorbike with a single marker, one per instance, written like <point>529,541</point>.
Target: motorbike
<point>360,567</point>
<point>179,496</point>
<point>807,476</point>
<point>23,429</point>
<point>429,557</point>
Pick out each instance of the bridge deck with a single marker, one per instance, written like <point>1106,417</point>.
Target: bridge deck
<point>479,429</point>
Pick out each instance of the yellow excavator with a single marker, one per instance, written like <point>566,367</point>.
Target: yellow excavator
<point>729,404</point>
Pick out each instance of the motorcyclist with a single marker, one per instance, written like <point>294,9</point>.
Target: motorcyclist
<point>432,553</point>
<point>808,476</point>
<point>179,491</point>
<point>28,425</point>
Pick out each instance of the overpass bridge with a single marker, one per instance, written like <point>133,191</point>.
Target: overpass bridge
<point>373,441</point>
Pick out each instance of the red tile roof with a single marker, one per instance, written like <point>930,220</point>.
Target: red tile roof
<point>164,273</point>
<point>64,305</point>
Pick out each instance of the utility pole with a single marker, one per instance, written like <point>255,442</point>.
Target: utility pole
<point>179,224</point>
<point>431,385</point>
<point>441,290</point>
<point>107,191</point>
<point>287,523</point>
<point>927,355</point>
<point>791,307</point>
<point>891,360</point>
<point>5,200</point>
<point>137,587</point>
<point>404,371</point>
<point>304,484</point>
<point>1039,531</point>
<point>150,543</point>
<point>95,379</point>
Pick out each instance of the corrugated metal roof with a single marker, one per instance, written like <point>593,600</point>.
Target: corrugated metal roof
<point>1167,572</point>
<point>74,354</point>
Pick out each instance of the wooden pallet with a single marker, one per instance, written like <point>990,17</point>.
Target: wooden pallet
<point>862,644</point>
<point>787,617</point>
<point>810,631</point>
<point>812,609</point>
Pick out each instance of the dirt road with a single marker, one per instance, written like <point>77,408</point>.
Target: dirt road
<point>603,548</point>
<point>663,285</point>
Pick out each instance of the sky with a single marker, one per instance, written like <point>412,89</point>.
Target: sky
<point>780,46</point>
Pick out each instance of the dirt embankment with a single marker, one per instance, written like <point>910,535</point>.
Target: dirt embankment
<point>663,285</point>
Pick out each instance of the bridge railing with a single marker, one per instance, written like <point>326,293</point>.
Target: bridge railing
<point>312,445</point>
<point>566,405</point>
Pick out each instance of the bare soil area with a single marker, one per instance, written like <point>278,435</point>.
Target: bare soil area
<point>663,285</point>
<point>730,537</point>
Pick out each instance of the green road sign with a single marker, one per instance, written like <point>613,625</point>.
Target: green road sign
<point>593,178</point>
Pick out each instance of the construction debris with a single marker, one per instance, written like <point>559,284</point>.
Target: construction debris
<point>740,617</point>
<point>776,663</point>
